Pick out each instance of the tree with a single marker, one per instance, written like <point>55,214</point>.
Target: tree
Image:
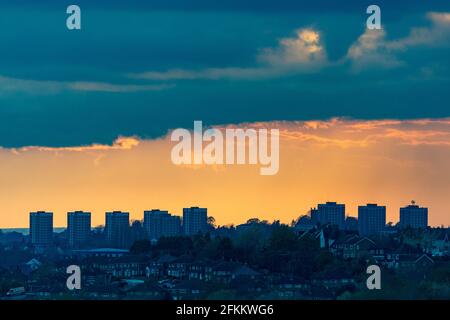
<point>282,238</point>
<point>211,221</point>
<point>140,247</point>
<point>253,220</point>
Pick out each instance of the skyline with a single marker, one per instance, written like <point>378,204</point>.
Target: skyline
<point>86,115</point>
<point>350,161</point>
<point>68,213</point>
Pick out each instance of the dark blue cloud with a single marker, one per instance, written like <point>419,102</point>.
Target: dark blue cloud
<point>114,43</point>
<point>270,6</point>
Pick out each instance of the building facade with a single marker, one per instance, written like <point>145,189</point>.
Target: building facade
<point>41,228</point>
<point>414,216</point>
<point>371,219</point>
<point>78,228</point>
<point>117,228</point>
<point>195,220</point>
<point>331,213</point>
<point>159,224</point>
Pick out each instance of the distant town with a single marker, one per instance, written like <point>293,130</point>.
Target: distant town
<point>320,255</point>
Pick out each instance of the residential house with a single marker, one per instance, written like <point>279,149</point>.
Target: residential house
<point>226,271</point>
<point>415,262</point>
<point>188,290</point>
<point>352,246</point>
<point>179,268</point>
<point>158,267</point>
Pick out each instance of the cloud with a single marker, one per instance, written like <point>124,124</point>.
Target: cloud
<point>304,52</point>
<point>340,132</point>
<point>121,143</point>
<point>108,87</point>
<point>437,35</point>
<point>8,84</point>
<point>355,133</point>
<point>207,74</point>
<point>372,49</point>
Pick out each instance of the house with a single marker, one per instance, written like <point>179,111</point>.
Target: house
<point>91,278</point>
<point>29,267</point>
<point>179,268</point>
<point>385,258</point>
<point>129,266</point>
<point>442,244</point>
<point>334,281</point>
<point>123,266</point>
<point>415,262</point>
<point>101,252</point>
<point>188,290</point>
<point>352,246</point>
<point>290,288</point>
<point>226,271</point>
<point>197,270</point>
<point>97,263</point>
<point>145,291</point>
<point>439,246</point>
<point>158,267</point>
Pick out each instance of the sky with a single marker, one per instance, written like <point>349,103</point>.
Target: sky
<point>86,115</point>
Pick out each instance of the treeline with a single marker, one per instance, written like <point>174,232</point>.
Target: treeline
<point>275,248</point>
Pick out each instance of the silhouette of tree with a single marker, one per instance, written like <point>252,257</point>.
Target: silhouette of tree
<point>140,247</point>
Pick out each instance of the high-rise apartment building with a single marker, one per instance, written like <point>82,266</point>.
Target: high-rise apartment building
<point>159,224</point>
<point>41,228</point>
<point>195,220</point>
<point>414,216</point>
<point>332,213</point>
<point>78,228</point>
<point>117,228</point>
<point>371,219</point>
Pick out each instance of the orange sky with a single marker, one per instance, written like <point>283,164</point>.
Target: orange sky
<point>388,162</point>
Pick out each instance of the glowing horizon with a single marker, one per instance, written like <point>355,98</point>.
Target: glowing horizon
<point>355,162</point>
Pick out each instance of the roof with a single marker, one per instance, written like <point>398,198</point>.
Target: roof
<point>348,239</point>
<point>408,257</point>
<point>245,271</point>
<point>33,263</point>
<point>101,251</point>
<point>226,266</point>
<point>289,280</point>
<point>443,237</point>
<point>96,260</point>
<point>146,287</point>
<point>131,259</point>
<point>183,259</point>
<point>365,239</point>
<point>424,257</point>
<point>167,258</point>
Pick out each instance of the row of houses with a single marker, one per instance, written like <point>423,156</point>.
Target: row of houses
<point>181,268</point>
<point>353,246</point>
